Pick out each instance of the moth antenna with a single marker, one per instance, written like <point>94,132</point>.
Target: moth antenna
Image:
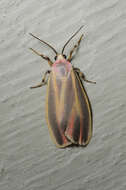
<point>71,38</point>
<point>44,43</point>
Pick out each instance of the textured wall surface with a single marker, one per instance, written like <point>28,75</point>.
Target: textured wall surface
<point>28,158</point>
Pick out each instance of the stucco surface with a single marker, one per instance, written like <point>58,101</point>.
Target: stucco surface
<point>28,158</point>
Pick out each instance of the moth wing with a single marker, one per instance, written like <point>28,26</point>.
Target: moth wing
<point>68,110</point>
<point>56,111</point>
<point>79,128</point>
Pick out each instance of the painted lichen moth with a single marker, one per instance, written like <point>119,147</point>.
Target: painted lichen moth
<point>68,110</point>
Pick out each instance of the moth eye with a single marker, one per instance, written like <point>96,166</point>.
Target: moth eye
<point>55,57</point>
<point>64,56</point>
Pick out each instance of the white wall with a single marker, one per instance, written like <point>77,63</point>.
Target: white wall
<point>28,158</point>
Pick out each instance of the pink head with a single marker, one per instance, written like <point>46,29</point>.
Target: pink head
<point>61,67</point>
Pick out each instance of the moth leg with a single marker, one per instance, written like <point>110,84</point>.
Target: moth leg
<point>43,56</point>
<point>43,82</point>
<point>82,76</point>
<point>75,47</point>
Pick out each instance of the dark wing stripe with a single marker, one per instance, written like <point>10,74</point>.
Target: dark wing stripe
<point>86,109</point>
<point>51,114</point>
<point>81,127</point>
<point>86,120</point>
<point>53,102</point>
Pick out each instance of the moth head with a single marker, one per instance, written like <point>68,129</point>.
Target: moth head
<point>60,56</point>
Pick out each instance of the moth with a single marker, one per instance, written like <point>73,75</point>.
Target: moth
<point>68,109</point>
